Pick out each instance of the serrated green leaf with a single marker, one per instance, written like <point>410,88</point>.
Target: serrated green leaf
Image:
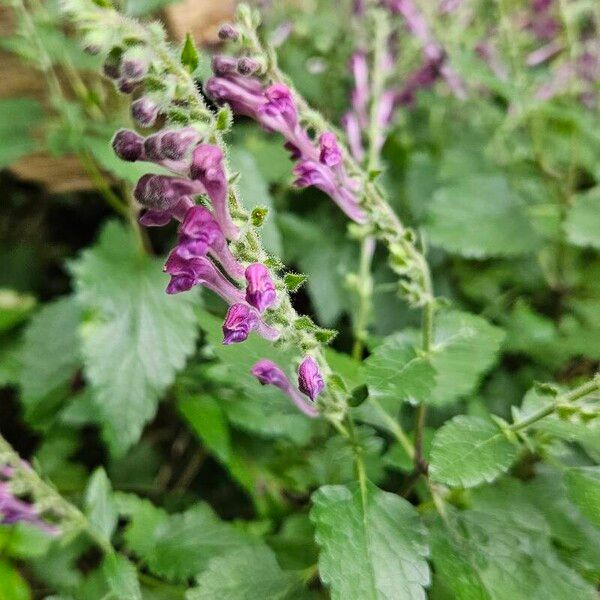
<point>372,547</point>
<point>224,119</point>
<point>50,357</point>
<point>478,217</point>
<point>465,346</point>
<point>583,219</point>
<point>99,506</point>
<point>121,578</point>
<point>583,487</point>
<point>135,337</point>
<point>189,54</point>
<point>247,574</point>
<point>293,281</point>
<point>18,119</point>
<point>469,450</point>
<point>395,372</point>
<point>177,547</point>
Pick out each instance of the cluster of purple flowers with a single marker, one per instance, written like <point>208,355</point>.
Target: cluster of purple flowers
<point>13,510</point>
<point>310,381</point>
<point>318,164</point>
<point>202,255</point>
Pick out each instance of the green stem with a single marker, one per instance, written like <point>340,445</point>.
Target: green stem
<point>365,296</point>
<point>394,427</point>
<point>571,396</point>
<point>359,460</point>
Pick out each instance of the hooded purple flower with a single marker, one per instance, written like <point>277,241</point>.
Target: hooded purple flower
<point>162,192</point>
<point>280,103</point>
<point>260,291</point>
<point>330,153</point>
<point>310,380</point>
<point>223,65</point>
<point>207,167</point>
<point>240,320</point>
<point>268,373</point>
<point>200,234</point>
<point>185,274</point>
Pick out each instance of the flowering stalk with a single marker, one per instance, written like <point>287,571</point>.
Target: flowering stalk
<point>220,256</point>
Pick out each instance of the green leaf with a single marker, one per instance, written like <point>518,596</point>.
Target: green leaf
<point>478,217</point>
<point>14,308</point>
<point>469,450</point>
<point>247,574</point>
<point>293,281</point>
<point>50,358</point>
<point>135,336</point>
<point>121,577</point>
<point>372,547</point>
<point>100,507</point>
<point>465,346</point>
<point>396,372</point>
<point>583,487</point>
<point>12,585</point>
<point>189,54</point>
<point>18,119</point>
<point>177,547</point>
<point>583,220</point>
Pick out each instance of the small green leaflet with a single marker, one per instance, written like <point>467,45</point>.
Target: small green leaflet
<point>583,220</point>
<point>189,54</point>
<point>135,337</point>
<point>480,216</point>
<point>468,450</point>
<point>583,488</point>
<point>247,574</point>
<point>100,507</point>
<point>50,357</point>
<point>372,547</point>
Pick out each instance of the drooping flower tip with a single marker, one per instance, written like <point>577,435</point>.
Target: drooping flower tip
<point>330,153</point>
<point>228,32</point>
<point>280,103</point>
<point>260,290</point>
<point>198,232</point>
<point>310,380</point>
<point>239,322</point>
<point>268,373</point>
<point>128,145</point>
<point>144,111</point>
<point>223,65</point>
<point>247,66</point>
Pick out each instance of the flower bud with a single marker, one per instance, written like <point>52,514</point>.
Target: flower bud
<point>222,65</point>
<point>161,192</point>
<point>171,144</point>
<point>127,86</point>
<point>330,154</point>
<point>128,145</point>
<point>144,112</point>
<point>228,32</point>
<point>247,66</point>
<point>310,380</point>
<point>260,291</point>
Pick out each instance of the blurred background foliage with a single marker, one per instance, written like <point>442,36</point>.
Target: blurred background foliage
<point>504,185</point>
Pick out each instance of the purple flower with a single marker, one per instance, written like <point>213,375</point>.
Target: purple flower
<point>280,103</point>
<point>162,192</point>
<point>171,145</point>
<point>222,65</point>
<point>244,95</point>
<point>133,68</point>
<point>310,380</point>
<point>144,111</point>
<point>200,234</point>
<point>354,135</point>
<point>240,320</point>
<point>360,93</point>
<point>186,273</point>
<point>260,291</point>
<point>128,145</point>
<point>330,154</point>
<point>207,167</point>
<point>228,32</point>
<point>268,373</point>
<point>247,66</point>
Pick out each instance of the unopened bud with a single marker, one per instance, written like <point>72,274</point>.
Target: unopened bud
<point>223,65</point>
<point>128,145</point>
<point>144,112</point>
<point>248,66</point>
<point>228,32</point>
